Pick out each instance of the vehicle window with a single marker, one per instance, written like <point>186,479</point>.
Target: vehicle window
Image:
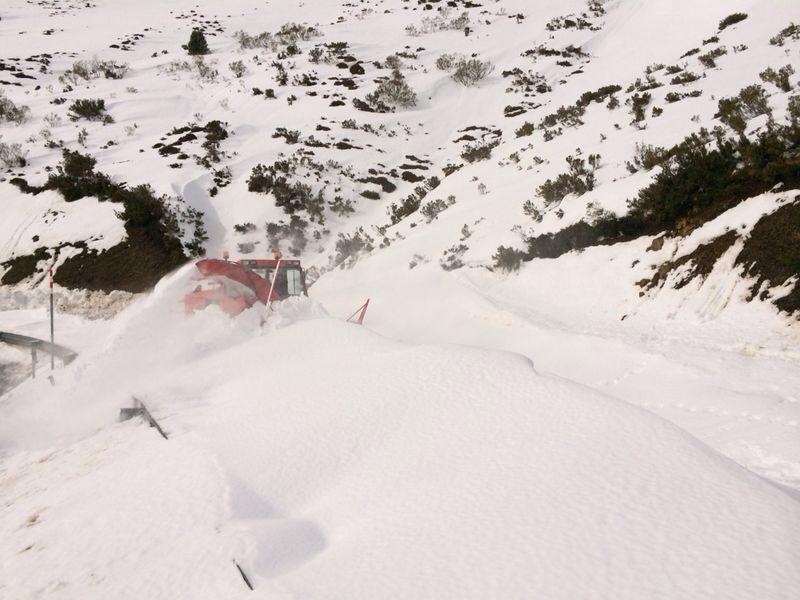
<point>294,281</point>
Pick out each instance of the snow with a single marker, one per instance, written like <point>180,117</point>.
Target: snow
<point>558,432</point>
<point>46,220</point>
<point>338,463</point>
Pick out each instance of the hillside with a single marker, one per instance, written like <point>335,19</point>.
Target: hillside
<point>578,224</point>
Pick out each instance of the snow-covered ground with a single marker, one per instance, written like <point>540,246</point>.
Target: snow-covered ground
<point>556,432</point>
<point>331,462</point>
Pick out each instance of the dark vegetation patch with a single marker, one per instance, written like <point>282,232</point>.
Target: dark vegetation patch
<point>731,20</point>
<point>20,268</point>
<point>213,131</point>
<point>411,203</point>
<point>411,177</point>
<point>387,186</point>
<point>702,262</point>
<point>152,248</point>
<point>90,109</point>
<point>696,184</point>
<point>772,254</point>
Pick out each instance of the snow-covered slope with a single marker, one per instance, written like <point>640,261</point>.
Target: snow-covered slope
<point>568,429</point>
<point>336,463</point>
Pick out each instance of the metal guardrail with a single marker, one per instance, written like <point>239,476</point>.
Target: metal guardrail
<point>35,345</point>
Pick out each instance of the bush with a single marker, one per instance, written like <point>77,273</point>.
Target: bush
<point>732,20</point>
<point>91,110</point>
<point>197,43</point>
<point>12,156</point>
<point>568,116</point>
<point>243,228</point>
<point>238,68</point>
<point>647,157</point>
<point>446,62</point>
<point>76,178</point>
<point>525,129</point>
<point>792,31</point>
<point>708,59</point>
<point>440,22</point>
<point>286,39</point>
<point>508,259</point>
<point>93,69</point>
<point>684,78</point>
<point>291,196</point>
<point>291,233</point>
<point>750,103</point>
<point>698,182</point>
<point>471,71</point>
<point>452,257</point>
<point>779,78</point>
<point>291,136</point>
<point>578,180</point>
<point>639,104</point>
<point>341,207</point>
<point>394,91</point>
<point>11,112</point>
<point>479,151</point>
<point>432,209</point>
<point>599,95</point>
<point>348,247</point>
<point>794,110</point>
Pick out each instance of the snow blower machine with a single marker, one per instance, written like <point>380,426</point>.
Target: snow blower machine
<point>235,286</point>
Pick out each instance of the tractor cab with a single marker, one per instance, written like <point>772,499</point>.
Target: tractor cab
<point>236,286</point>
<point>290,280</point>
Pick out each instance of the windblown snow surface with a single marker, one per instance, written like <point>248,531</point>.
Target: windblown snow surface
<point>332,462</point>
<point>546,434</point>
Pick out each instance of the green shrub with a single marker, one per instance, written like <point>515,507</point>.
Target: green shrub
<point>479,151</point>
<point>12,156</point>
<point>709,58</point>
<point>792,31</point>
<point>647,157</point>
<point>89,109</point>
<point>732,20</point>
<point>525,129</point>
<point>453,257</point>
<point>243,228</point>
<point>76,178</point>
<point>12,113</point>
<point>349,247</point>
<point>238,68</point>
<point>750,103</point>
<point>432,209</point>
<point>699,182</point>
<point>638,103</point>
<point>578,180</point>
<point>93,69</point>
<point>779,78</point>
<point>291,233</point>
<point>507,259</point>
<point>469,72</point>
<point>197,43</point>
<point>599,95</point>
<point>408,206</point>
<point>793,110</point>
<point>393,91</point>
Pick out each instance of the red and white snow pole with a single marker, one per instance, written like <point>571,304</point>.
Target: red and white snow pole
<point>358,316</point>
<point>52,321</point>
<point>272,286</point>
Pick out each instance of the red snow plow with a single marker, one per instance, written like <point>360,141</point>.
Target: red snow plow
<point>237,285</point>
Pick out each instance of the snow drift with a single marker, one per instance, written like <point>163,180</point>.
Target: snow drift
<point>331,462</point>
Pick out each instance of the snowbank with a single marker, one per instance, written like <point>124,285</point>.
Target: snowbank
<point>330,462</point>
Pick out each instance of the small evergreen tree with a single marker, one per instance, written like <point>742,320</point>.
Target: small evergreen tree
<point>197,43</point>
